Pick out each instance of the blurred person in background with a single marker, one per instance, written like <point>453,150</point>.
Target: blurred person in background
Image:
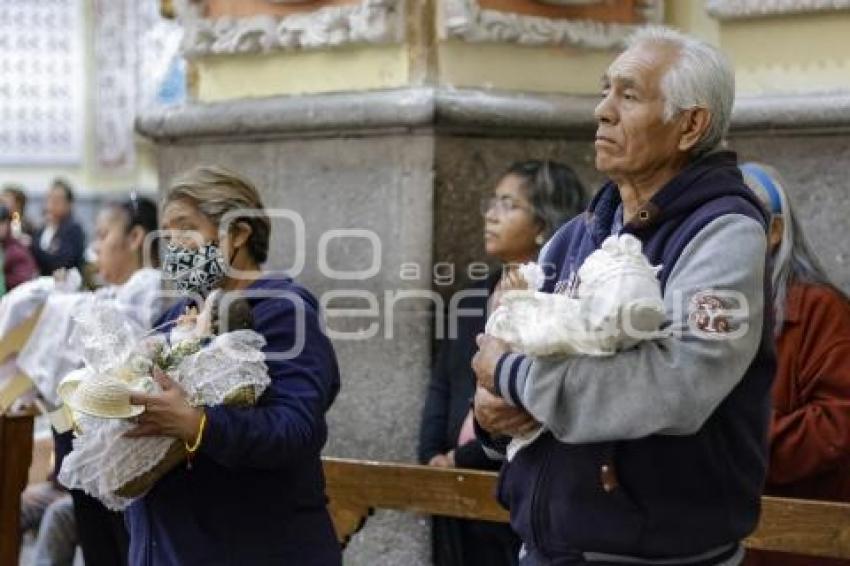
<point>48,511</point>
<point>133,281</point>
<point>17,261</point>
<point>810,424</point>
<point>15,199</point>
<point>132,278</point>
<point>531,200</point>
<point>61,242</point>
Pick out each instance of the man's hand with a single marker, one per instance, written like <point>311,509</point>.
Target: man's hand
<point>490,350</point>
<point>496,416</point>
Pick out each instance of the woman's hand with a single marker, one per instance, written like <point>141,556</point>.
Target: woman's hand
<point>167,413</point>
<point>513,280</point>
<point>446,460</point>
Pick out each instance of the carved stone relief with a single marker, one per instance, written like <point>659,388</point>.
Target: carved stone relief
<point>368,21</point>
<point>734,9</point>
<point>467,20</point>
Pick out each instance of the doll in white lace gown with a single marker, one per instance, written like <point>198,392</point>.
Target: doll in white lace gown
<point>615,304</point>
<point>212,354</point>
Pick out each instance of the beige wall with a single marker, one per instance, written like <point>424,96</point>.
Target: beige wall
<point>690,16</point>
<point>776,55</point>
<point>798,54</point>
<point>342,69</point>
<point>531,69</point>
<point>86,178</point>
<point>772,55</point>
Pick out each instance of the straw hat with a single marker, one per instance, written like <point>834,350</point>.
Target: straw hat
<point>70,382</point>
<point>102,397</point>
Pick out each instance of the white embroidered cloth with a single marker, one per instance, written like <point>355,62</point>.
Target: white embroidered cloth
<point>617,304</point>
<point>103,460</point>
<point>46,357</point>
<point>21,302</point>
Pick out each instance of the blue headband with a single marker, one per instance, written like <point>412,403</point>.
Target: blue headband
<point>767,183</point>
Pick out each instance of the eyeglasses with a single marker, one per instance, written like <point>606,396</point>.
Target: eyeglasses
<point>502,205</point>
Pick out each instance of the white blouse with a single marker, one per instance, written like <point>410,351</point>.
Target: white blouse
<point>47,357</point>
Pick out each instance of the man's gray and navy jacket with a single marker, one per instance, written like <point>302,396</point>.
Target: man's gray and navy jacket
<point>657,453</point>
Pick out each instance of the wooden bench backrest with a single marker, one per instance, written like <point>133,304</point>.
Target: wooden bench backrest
<point>15,456</point>
<point>355,488</point>
<point>16,441</point>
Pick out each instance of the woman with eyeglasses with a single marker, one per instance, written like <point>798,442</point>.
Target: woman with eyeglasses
<point>810,428</point>
<point>531,200</point>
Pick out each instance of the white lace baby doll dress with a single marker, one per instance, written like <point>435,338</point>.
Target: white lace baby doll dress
<point>104,462</point>
<point>617,304</point>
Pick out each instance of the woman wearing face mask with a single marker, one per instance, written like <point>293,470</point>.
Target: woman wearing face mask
<point>126,263</point>
<point>810,429</point>
<point>531,200</point>
<point>255,490</point>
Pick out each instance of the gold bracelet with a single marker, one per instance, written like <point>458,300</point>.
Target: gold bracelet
<point>197,444</point>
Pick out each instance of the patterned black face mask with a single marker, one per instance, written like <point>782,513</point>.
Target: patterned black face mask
<point>197,270</point>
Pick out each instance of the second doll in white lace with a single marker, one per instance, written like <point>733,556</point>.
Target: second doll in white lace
<point>615,304</point>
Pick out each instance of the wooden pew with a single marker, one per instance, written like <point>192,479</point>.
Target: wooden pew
<point>16,443</point>
<point>355,488</point>
<point>16,432</point>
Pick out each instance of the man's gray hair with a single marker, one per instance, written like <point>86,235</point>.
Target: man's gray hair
<point>701,76</point>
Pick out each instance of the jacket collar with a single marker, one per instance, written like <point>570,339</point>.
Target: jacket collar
<point>710,177</point>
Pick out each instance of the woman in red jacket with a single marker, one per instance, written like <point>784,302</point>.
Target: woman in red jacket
<point>810,432</point>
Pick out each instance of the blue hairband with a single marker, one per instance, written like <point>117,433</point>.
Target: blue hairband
<point>769,186</point>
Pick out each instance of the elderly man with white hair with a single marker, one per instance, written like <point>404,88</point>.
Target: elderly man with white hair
<point>657,454</point>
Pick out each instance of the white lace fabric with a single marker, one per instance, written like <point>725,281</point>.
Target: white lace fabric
<point>103,460</point>
<point>617,304</point>
<point>45,358</point>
